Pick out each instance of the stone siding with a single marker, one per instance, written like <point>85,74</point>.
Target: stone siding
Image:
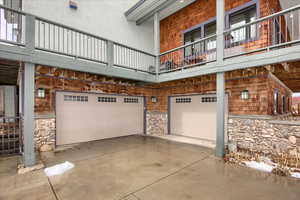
<point>157,123</point>
<point>44,134</point>
<point>277,140</point>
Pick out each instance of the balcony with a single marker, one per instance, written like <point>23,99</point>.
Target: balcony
<point>264,35</point>
<point>28,38</point>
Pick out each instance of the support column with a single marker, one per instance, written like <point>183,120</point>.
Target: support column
<point>220,30</point>
<point>157,42</point>
<point>28,115</point>
<point>220,135</point>
<point>220,115</point>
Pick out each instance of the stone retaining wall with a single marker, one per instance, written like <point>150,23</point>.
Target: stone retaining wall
<point>157,123</point>
<point>45,134</point>
<point>277,140</point>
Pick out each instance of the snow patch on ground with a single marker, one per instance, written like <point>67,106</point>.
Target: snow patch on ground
<point>58,169</point>
<point>259,166</point>
<point>295,174</point>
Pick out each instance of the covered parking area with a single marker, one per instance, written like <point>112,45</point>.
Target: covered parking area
<point>143,168</point>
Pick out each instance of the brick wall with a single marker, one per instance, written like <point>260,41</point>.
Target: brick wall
<point>53,79</point>
<point>172,27</point>
<point>256,80</point>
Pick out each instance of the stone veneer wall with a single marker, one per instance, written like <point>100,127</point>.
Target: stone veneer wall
<point>44,134</point>
<point>278,140</point>
<point>157,123</point>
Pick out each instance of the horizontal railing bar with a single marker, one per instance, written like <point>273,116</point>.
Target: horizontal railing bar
<point>131,68</point>
<point>264,18</point>
<point>263,48</point>
<point>14,10</point>
<point>70,28</point>
<point>122,45</point>
<point>187,45</point>
<point>12,42</point>
<point>187,66</point>
<point>70,55</point>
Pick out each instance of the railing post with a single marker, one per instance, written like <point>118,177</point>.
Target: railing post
<point>30,33</point>
<point>28,133</point>
<point>220,134</point>
<point>157,43</point>
<point>110,53</point>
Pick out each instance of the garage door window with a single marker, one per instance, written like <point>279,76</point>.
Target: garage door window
<point>131,100</point>
<point>183,100</point>
<point>107,99</point>
<point>76,98</point>
<point>208,99</point>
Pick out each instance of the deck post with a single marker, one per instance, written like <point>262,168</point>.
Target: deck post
<point>110,54</point>
<point>28,115</point>
<point>157,43</point>
<point>220,135</point>
<point>30,33</point>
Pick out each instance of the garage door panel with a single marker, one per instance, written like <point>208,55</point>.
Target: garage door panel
<point>96,118</point>
<point>194,116</point>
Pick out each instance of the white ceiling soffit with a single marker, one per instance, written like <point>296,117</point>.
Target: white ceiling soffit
<point>144,7</point>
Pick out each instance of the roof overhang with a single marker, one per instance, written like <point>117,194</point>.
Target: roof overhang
<point>144,10</point>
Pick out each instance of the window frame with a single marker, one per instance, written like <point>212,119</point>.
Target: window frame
<point>276,101</point>
<point>283,99</point>
<point>248,5</point>
<point>248,37</point>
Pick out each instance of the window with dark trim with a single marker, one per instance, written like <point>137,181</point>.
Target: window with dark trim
<point>240,18</point>
<point>207,29</point>
<point>190,37</point>
<point>276,103</point>
<point>283,104</point>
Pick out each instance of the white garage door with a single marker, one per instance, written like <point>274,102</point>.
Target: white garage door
<point>82,117</point>
<point>194,116</point>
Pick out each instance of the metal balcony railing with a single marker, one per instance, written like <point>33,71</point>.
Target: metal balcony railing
<point>189,55</point>
<point>275,31</point>
<point>35,33</point>
<point>279,30</point>
<point>61,39</point>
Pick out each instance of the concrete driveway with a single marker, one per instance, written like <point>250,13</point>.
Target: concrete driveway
<point>143,168</point>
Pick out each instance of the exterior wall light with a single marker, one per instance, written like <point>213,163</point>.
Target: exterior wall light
<point>153,99</point>
<point>41,93</point>
<point>245,94</point>
<point>73,5</point>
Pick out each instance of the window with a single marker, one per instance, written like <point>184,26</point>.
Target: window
<point>209,30</point>
<point>240,18</point>
<point>183,100</point>
<point>107,99</point>
<point>197,34</point>
<point>131,100</point>
<point>76,98</point>
<point>208,99</point>
<point>275,101</point>
<point>190,37</point>
<point>283,104</point>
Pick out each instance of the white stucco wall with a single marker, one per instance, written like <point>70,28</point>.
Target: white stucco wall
<point>100,17</point>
